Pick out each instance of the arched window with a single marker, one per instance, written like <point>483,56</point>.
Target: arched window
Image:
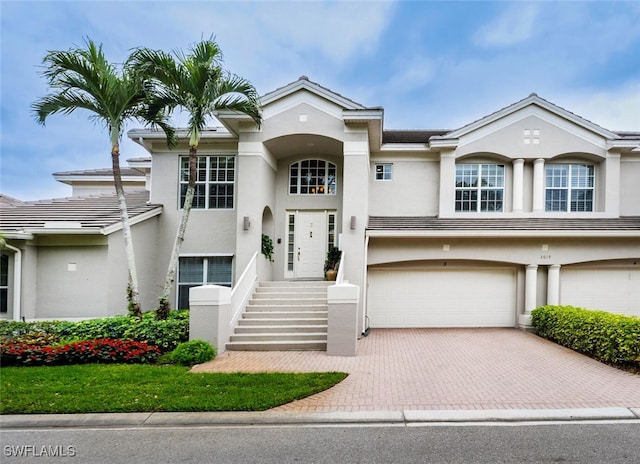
<point>312,177</point>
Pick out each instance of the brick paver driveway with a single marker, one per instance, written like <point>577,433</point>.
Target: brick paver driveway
<point>398,369</point>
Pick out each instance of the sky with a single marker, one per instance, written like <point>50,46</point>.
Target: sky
<point>429,64</point>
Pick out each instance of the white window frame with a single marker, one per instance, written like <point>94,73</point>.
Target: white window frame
<point>384,172</point>
<point>571,186</point>
<point>481,191</point>
<point>328,186</point>
<point>205,272</point>
<point>4,286</point>
<point>207,183</point>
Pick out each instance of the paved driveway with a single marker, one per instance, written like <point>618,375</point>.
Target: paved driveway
<point>399,369</point>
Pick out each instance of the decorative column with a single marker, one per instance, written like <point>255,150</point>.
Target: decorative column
<point>530,295</point>
<point>210,314</point>
<point>342,333</point>
<point>518,188</point>
<point>553,285</point>
<point>538,185</point>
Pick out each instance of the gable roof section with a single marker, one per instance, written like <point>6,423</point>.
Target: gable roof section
<point>76,215</point>
<point>303,83</point>
<point>430,226</point>
<point>532,100</point>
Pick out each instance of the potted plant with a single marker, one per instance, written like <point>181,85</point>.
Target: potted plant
<point>331,263</point>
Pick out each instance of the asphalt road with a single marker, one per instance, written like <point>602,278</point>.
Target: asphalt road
<point>575,442</point>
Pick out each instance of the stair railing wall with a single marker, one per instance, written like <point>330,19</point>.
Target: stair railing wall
<point>243,289</point>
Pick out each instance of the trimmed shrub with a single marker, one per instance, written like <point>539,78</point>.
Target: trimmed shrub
<point>193,352</point>
<point>608,337</point>
<point>165,334</point>
<point>87,351</point>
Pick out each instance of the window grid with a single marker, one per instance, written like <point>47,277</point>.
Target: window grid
<point>196,271</point>
<point>383,171</point>
<point>291,242</point>
<point>4,283</point>
<point>215,182</point>
<point>331,230</point>
<point>479,187</point>
<point>569,187</point>
<point>312,177</point>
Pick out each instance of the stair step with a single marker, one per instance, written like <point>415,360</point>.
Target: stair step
<point>297,283</point>
<point>277,328</point>
<point>287,301</point>
<point>292,290</point>
<point>315,345</point>
<point>271,321</point>
<point>285,314</point>
<point>279,337</point>
<point>286,308</point>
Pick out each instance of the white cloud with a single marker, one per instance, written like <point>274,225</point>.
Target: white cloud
<point>617,110</point>
<point>514,25</point>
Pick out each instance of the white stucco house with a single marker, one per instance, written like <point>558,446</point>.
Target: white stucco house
<point>472,227</point>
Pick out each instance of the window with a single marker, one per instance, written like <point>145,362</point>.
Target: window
<point>479,187</point>
<point>215,179</point>
<point>312,177</point>
<point>569,187</point>
<point>4,283</point>
<point>331,230</point>
<point>195,271</point>
<point>383,171</point>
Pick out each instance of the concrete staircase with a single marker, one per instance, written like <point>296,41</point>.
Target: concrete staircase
<point>284,316</point>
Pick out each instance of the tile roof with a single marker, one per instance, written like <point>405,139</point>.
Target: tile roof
<point>91,211</point>
<point>410,136</point>
<point>430,223</point>
<point>126,172</point>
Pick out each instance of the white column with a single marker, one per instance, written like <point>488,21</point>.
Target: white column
<point>612,186</point>
<point>518,189</point>
<point>530,288</point>
<point>446,207</point>
<point>553,285</point>
<point>209,315</point>
<point>538,185</point>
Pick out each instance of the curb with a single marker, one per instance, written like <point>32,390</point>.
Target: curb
<point>406,417</point>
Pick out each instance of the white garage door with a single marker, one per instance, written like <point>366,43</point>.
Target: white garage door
<point>614,290</point>
<point>473,297</point>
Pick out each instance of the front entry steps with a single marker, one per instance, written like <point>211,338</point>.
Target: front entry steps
<point>284,316</point>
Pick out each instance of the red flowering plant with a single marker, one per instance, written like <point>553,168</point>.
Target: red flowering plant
<point>104,350</point>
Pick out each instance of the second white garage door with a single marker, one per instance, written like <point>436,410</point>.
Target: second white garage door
<point>607,289</point>
<point>463,297</point>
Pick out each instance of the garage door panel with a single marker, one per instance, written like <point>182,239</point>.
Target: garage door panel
<point>442,298</point>
<point>607,289</point>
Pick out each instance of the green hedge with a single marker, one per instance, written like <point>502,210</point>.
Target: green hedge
<point>166,335</point>
<point>608,337</point>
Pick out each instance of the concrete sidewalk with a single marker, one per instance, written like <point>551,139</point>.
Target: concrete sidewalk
<point>280,418</point>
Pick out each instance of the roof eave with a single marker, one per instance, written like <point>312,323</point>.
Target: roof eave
<point>500,233</point>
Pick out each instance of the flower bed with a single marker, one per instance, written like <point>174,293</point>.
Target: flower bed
<point>88,351</point>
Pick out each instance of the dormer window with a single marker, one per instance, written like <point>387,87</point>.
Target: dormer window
<point>312,177</point>
<point>479,187</point>
<point>569,187</point>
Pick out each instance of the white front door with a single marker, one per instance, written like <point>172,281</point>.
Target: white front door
<point>310,244</point>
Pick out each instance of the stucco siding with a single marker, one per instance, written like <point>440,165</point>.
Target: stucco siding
<point>412,191</point>
<point>71,281</point>
<point>630,186</point>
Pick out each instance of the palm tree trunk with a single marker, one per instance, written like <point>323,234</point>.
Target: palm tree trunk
<point>164,306</point>
<point>133,298</point>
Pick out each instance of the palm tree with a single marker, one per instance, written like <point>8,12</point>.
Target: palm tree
<point>194,82</point>
<point>83,79</point>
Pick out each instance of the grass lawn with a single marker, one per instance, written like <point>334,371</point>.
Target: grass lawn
<point>93,388</point>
